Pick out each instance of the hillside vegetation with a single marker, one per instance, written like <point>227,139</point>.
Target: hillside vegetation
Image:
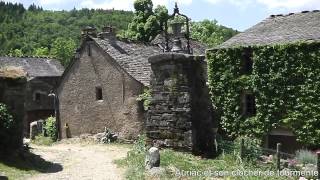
<point>33,31</point>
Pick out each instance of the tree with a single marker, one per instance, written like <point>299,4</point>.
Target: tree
<point>210,33</point>
<point>146,23</point>
<point>63,49</point>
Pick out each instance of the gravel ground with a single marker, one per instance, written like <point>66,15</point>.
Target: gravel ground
<point>81,161</point>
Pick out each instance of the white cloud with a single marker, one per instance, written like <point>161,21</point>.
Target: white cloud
<point>50,2</point>
<point>109,4</point>
<point>291,4</point>
<point>103,4</point>
<point>273,4</point>
<point>124,4</point>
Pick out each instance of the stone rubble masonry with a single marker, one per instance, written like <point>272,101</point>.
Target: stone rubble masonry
<point>180,113</point>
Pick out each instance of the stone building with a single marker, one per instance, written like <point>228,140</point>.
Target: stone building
<point>277,29</point>
<point>100,87</point>
<point>12,88</point>
<point>42,75</point>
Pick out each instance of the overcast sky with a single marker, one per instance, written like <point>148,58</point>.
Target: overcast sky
<point>238,14</point>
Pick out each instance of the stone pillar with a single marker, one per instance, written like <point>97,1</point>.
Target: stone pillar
<point>180,113</point>
<point>33,130</point>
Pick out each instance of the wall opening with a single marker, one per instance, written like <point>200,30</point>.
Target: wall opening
<point>89,50</point>
<point>37,97</point>
<point>247,63</point>
<point>249,104</point>
<point>99,93</point>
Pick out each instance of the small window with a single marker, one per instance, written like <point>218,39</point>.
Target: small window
<point>249,108</point>
<point>89,50</point>
<point>99,93</point>
<point>37,97</point>
<point>247,62</point>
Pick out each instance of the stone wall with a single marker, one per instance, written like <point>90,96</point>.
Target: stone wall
<point>43,107</point>
<point>79,108</point>
<point>180,114</point>
<point>12,93</point>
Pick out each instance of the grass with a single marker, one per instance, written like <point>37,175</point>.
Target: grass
<point>175,163</point>
<point>13,172</point>
<point>42,141</point>
<point>180,162</point>
<point>20,166</point>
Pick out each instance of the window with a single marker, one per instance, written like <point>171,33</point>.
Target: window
<point>99,93</point>
<point>247,62</point>
<point>249,103</point>
<point>89,50</point>
<point>37,97</point>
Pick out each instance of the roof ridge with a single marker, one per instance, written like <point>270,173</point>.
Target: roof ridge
<point>291,13</point>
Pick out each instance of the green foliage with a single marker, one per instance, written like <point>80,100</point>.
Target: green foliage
<point>140,144</point>
<point>306,157</point>
<point>15,53</point>
<point>145,98</point>
<point>63,50</point>
<point>42,51</point>
<point>43,141</point>
<point>135,159</point>
<point>252,147</point>
<point>29,30</point>
<point>285,82</point>
<point>51,128</point>
<point>210,33</point>
<point>174,162</point>
<point>8,127</point>
<point>146,23</point>
<point>6,122</point>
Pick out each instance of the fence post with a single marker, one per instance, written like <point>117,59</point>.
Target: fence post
<point>278,156</point>
<point>318,164</point>
<point>242,148</point>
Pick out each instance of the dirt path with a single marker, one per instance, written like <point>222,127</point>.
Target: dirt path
<point>81,162</point>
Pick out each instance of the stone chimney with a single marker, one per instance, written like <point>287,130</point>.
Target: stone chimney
<point>108,32</point>
<point>88,31</point>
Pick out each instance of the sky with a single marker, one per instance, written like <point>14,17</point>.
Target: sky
<point>237,14</point>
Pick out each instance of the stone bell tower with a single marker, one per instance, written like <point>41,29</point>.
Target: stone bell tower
<point>180,113</point>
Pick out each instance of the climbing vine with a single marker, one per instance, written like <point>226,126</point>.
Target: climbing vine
<point>285,81</point>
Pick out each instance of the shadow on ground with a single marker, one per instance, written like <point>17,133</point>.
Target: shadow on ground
<point>28,161</point>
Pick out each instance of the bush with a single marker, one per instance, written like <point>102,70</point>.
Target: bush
<point>140,145</point>
<point>8,135</point>
<point>252,147</point>
<point>6,118</point>
<point>306,157</point>
<point>51,128</point>
<point>42,140</point>
<point>145,98</point>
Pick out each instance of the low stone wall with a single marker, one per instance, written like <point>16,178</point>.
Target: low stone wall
<point>180,113</point>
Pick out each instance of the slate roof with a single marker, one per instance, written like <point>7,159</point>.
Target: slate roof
<point>34,66</point>
<point>133,57</point>
<point>280,29</point>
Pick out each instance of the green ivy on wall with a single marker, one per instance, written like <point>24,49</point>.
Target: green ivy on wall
<point>286,84</point>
